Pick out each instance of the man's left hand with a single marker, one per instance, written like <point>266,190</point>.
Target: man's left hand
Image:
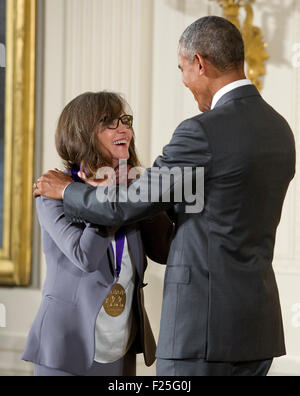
<point>52,185</point>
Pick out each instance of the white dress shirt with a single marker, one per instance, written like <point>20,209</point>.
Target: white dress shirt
<point>230,87</point>
<point>114,335</point>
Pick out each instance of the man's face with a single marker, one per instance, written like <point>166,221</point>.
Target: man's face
<point>194,79</point>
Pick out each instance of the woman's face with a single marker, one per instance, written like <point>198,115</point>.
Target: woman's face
<point>115,143</point>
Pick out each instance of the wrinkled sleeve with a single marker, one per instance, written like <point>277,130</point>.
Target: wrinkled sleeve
<point>188,148</point>
<point>84,246</point>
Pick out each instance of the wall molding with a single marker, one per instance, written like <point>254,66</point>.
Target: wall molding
<point>287,366</point>
<point>11,349</point>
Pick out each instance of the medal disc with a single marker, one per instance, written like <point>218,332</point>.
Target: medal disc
<point>115,303</point>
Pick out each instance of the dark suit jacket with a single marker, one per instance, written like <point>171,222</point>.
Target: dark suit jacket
<point>221,300</point>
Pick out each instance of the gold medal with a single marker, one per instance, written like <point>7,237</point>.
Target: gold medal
<point>115,303</point>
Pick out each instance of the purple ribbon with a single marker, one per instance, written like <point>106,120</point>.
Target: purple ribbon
<point>120,234</point>
<point>120,242</point>
<point>74,174</point>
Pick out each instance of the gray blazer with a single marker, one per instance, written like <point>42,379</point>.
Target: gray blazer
<point>80,275</point>
<point>221,300</point>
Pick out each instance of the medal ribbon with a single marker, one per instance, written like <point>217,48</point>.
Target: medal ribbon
<point>120,243</point>
<point>120,234</point>
<point>74,174</point>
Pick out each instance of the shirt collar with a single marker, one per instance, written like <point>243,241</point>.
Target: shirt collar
<point>230,87</point>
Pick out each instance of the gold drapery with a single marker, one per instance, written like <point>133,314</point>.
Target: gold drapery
<point>255,47</point>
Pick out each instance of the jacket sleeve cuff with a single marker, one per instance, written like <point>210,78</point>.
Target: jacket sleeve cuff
<point>63,193</point>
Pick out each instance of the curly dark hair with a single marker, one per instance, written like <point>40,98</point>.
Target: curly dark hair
<point>217,40</point>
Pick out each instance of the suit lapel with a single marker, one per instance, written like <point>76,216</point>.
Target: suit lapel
<point>111,258</point>
<point>135,250</point>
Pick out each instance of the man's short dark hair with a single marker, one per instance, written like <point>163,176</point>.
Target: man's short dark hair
<point>217,40</point>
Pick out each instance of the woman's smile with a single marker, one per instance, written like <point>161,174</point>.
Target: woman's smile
<point>123,142</point>
<point>120,146</point>
<point>115,143</point>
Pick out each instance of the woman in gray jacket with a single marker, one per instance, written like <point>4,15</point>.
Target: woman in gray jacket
<point>92,320</point>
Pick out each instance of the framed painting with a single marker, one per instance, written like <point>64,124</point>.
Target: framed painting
<point>17,115</point>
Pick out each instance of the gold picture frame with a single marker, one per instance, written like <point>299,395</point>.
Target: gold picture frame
<point>16,248</point>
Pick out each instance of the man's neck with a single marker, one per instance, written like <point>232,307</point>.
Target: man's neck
<point>226,79</point>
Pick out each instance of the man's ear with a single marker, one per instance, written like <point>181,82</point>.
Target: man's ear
<point>201,63</point>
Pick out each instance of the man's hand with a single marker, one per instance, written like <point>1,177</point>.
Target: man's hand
<point>115,178</point>
<point>106,182</point>
<point>52,184</point>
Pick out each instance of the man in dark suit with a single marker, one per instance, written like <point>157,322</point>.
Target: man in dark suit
<point>221,310</point>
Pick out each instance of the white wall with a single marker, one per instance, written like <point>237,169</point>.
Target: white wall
<point>131,46</point>
<point>282,87</point>
<point>87,45</point>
